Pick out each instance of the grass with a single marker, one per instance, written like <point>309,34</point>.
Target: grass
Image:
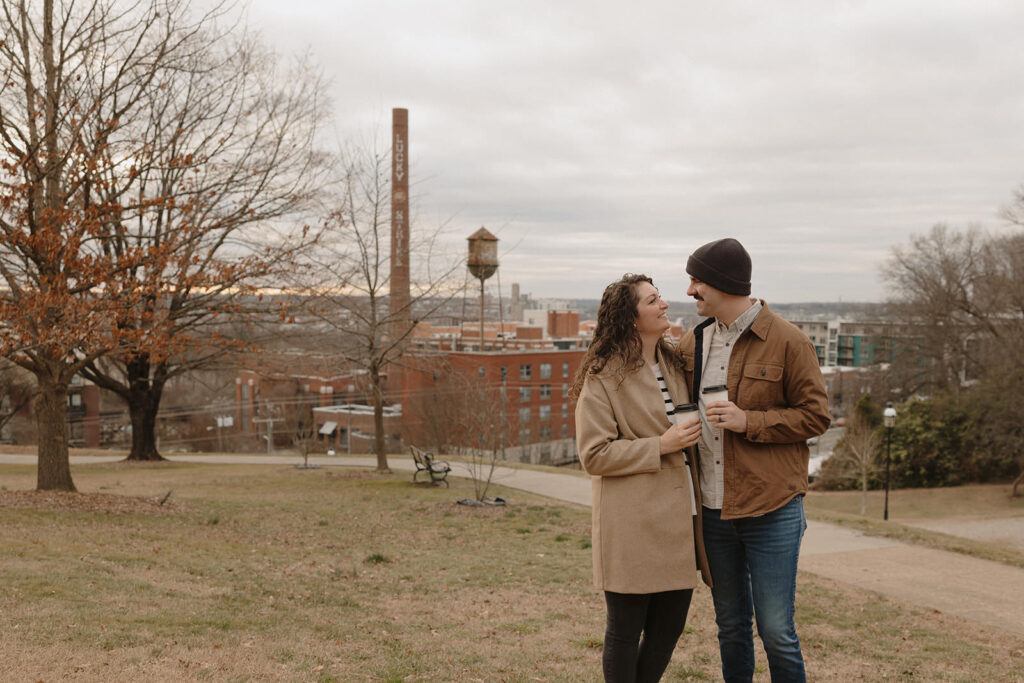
<point>909,506</point>
<point>978,500</point>
<point>271,573</point>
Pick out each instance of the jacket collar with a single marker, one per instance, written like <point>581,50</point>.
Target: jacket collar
<point>763,322</point>
<point>760,325</point>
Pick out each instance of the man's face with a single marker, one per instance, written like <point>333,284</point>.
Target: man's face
<point>707,297</point>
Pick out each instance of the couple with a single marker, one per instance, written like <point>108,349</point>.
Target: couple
<point>722,494</point>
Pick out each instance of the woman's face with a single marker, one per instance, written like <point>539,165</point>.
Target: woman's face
<point>651,318</point>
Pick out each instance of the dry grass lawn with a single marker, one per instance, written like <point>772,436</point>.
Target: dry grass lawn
<point>275,574</point>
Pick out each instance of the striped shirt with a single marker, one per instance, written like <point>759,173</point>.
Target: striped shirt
<point>670,410</point>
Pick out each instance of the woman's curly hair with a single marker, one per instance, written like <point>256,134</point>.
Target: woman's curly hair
<point>616,335</point>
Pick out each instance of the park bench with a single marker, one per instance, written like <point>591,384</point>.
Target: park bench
<point>425,462</point>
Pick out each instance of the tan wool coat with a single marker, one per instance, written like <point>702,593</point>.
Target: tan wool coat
<point>643,528</point>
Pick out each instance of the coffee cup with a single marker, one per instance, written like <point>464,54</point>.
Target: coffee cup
<point>686,414</point>
<point>719,392</point>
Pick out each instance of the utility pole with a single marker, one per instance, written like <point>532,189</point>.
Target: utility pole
<point>269,421</point>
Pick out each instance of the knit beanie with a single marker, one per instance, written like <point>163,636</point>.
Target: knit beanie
<point>724,264</point>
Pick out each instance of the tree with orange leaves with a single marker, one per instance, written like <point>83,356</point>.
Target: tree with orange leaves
<point>229,167</point>
<point>126,189</point>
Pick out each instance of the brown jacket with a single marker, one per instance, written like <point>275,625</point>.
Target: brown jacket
<point>643,527</point>
<point>774,378</point>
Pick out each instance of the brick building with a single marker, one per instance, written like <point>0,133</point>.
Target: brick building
<point>528,390</point>
<point>513,383</point>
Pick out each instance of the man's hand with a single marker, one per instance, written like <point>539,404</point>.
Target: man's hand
<point>726,415</point>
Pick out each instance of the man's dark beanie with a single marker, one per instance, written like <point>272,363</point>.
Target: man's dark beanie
<point>723,264</point>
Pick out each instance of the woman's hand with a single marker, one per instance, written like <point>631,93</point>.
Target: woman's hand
<point>681,436</point>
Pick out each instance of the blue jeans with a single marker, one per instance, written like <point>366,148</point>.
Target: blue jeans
<point>753,566</point>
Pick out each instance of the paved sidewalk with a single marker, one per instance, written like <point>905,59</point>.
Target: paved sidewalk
<point>979,590</point>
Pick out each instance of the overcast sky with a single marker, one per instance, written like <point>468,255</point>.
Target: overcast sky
<point>595,138</point>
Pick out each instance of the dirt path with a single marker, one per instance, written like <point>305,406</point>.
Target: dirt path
<point>1008,530</point>
<point>986,592</point>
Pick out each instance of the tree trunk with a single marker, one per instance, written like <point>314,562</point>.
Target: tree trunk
<point>863,494</point>
<point>379,442</point>
<point>144,394</point>
<point>1019,481</point>
<point>143,411</point>
<point>53,472</point>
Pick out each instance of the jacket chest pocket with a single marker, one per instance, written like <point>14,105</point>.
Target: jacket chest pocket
<point>760,386</point>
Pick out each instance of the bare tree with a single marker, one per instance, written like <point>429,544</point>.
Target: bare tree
<point>856,455</point>
<point>463,417</point>
<point>962,293</point>
<point>300,423</point>
<point>73,75</point>
<point>436,412</point>
<point>224,162</point>
<point>485,434</point>
<point>139,144</point>
<point>16,388</point>
<point>940,290</point>
<point>348,276</point>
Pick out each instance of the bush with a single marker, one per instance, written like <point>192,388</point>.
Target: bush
<point>946,440</point>
<point>976,436</point>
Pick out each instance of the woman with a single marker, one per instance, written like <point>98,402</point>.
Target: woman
<point>645,554</point>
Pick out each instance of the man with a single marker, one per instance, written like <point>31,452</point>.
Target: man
<point>753,456</point>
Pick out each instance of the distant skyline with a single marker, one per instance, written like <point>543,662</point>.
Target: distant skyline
<point>595,138</point>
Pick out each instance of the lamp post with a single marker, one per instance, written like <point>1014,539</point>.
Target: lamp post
<point>889,419</point>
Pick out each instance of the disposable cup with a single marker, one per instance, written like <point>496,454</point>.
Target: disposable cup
<point>686,413</point>
<point>716,393</point>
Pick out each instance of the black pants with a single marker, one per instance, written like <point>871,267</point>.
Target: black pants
<point>660,617</point>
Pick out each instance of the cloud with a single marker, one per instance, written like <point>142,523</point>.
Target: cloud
<point>600,137</point>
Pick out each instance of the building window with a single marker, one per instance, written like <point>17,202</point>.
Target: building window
<point>565,431</point>
<point>565,390</point>
<point>545,370</point>
<point>525,371</point>
<point>524,394</point>
<point>524,416</point>
<point>481,372</point>
<point>75,400</point>
<point>545,391</point>
<point>524,437</point>
<point>565,410</point>
<point>545,412</point>
<point>504,373</point>
<point>565,369</point>
<point>545,433</point>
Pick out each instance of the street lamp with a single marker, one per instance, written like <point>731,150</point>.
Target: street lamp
<point>889,419</point>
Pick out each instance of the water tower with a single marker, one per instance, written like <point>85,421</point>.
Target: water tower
<point>483,263</point>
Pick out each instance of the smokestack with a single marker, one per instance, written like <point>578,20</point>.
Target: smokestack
<point>399,288</point>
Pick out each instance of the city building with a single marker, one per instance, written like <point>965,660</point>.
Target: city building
<point>847,343</point>
<point>524,393</point>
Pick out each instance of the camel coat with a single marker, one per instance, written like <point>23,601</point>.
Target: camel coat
<point>643,526</point>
